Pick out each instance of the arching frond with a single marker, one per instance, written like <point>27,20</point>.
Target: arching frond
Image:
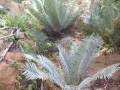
<point>103,73</point>
<point>49,68</point>
<point>65,59</point>
<point>78,60</point>
<point>48,65</point>
<point>70,87</point>
<point>45,63</point>
<point>90,49</point>
<point>63,41</point>
<point>32,72</point>
<point>64,63</point>
<point>106,72</point>
<point>84,83</point>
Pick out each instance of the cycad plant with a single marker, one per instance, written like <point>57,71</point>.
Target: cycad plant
<point>75,64</point>
<point>55,15</point>
<point>106,22</point>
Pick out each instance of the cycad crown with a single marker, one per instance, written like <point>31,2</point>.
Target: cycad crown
<point>55,14</point>
<point>75,64</point>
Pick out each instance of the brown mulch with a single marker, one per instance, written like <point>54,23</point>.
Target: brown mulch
<point>105,84</point>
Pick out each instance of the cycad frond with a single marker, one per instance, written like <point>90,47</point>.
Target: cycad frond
<point>64,63</point>
<point>103,73</point>
<point>78,60</point>
<point>49,68</point>
<point>84,83</point>
<point>66,59</point>
<point>32,72</point>
<point>91,48</point>
<point>106,72</point>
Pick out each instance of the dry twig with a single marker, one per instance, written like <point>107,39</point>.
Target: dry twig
<point>7,36</point>
<point>5,52</point>
<point>11,34</point>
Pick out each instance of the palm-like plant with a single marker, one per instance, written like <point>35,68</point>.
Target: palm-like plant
<point>75,64</point>
<point>55,15</point>
<point>105,20</point>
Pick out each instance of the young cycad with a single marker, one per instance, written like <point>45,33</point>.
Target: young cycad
<point>75,63</point>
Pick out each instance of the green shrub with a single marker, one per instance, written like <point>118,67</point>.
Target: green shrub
<point>42,43</point>
<point>36,25</point>
<point>15,21</point>
<point>19,1</point>
<point>28,47</point>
